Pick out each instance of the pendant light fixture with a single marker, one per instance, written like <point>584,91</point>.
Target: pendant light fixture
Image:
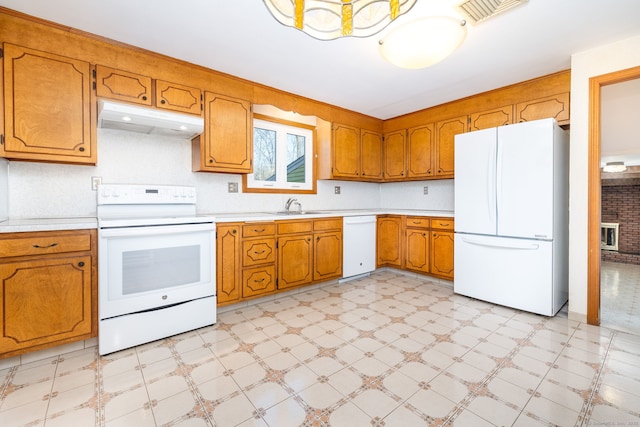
<point>331,19</point>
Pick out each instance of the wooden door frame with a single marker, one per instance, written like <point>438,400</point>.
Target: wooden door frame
<point>594,210</point>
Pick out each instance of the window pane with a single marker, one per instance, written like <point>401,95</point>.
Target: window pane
<point>295,158</point>
<point>264,154</point>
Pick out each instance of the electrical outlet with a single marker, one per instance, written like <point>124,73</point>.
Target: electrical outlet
<point>425,190</point>
<point>336,189</point>
<point>232,187</point>
<point>95,181</point>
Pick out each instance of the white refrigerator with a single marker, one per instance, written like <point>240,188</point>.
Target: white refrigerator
<point>511,216</point>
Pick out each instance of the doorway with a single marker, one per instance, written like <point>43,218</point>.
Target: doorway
<point>595,265</point>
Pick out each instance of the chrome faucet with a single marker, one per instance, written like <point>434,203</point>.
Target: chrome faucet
<point>293,201</point>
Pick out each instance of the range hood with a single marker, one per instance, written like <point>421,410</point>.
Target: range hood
<point>147,120</point>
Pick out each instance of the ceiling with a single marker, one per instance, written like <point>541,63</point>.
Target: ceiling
<point>240,37</point>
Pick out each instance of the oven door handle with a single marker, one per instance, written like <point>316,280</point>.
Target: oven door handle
<point>155,230</point>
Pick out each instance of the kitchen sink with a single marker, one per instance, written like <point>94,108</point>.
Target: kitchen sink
<point>296,213</point>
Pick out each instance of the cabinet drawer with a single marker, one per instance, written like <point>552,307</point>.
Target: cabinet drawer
<point>417,222</point>
<point>46,243</point>
<point>258,251</point>
<point>257,229</point>
<point>327,224</point>
<point>291,227</point>
<point>442,223</point>
<point>258,281</point>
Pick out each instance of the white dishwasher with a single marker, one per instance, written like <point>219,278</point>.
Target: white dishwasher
<point>359,245</point>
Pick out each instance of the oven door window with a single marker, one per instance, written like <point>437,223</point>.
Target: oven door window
<point>156,269</point>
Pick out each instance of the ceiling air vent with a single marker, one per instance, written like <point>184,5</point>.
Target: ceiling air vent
<point>479,10</point>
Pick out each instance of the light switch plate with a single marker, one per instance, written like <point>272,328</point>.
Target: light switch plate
<point>336,189</point>
<point>95,181</point>
<point>232,187</point>
<point>425,190</point>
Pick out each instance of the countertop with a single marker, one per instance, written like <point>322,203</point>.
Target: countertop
<point>15,225</point>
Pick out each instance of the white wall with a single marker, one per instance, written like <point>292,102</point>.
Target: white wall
<point>584,65</point>
<point>42,190</point>
<point>4,189</point>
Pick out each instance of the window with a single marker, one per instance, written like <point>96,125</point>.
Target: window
<point>282,156</point>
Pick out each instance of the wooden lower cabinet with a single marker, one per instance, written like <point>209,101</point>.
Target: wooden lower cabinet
<point>255,259</point>
<point>389,241</point>
<point>417,244</point>
<point>295,260</point>
<point>48,292</point>
<point>228,263</point>
<point>327,249</point>
<point>420,244</point>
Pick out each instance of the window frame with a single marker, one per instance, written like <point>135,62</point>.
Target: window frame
<point>308,162</point>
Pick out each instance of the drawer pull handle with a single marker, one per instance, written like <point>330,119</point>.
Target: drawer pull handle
<point>258,231</point>
<point>258,252</point>
<point>45,247</point>
<point>258,281</point>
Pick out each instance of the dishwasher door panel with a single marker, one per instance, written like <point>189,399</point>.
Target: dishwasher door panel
<point>359,250</point>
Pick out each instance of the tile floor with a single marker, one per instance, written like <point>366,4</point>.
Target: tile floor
<point>386,350</point>
<point>620,296</point>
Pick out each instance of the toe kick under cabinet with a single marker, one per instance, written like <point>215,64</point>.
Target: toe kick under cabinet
<point>48,292</point>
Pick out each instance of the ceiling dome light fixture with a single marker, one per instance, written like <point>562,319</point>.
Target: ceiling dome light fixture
<point>614,167</point>
<point>331,19</point>
<point>423,42</point>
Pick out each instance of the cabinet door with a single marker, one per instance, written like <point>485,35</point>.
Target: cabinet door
<point>346,151</point>
<point>419,154</point>
<point>442,253</point>
<point>228,259</point>
<point>45,300</point>
<point>491,118</point>
<point>327,255</point>
<point>258,281</point>
<point>175,97</point>
<point>556,106</point>
<point>394,156</point>
<point>48,110</point>
<point>417,249</point>
<point>295,260</point>
<point>371,153</point>
<point>227,143</point>
<point>123,85</point>
<point>445,137</point>
<point>389,241</point>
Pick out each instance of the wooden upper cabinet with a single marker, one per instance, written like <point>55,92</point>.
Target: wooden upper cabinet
<point>445,141</point>
<point>126,86</point>
<point>556,106</point>
<point>491,118</point>
<point>48,110</point>
<point>123,85</point>
<point>181,98</point>
<point>394,155</point>
<point>420,144</point>
<point>371,155</point>
<point>227,142</point>
<point>346,151</point>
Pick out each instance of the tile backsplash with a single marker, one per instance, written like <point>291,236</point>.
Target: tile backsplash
<point>43,190</point>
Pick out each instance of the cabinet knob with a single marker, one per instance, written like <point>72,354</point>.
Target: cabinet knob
<point>210,160</point>
<point>144,97</point>
<point>163,102</point>
<point>233,231</point>
<point>81,264</point>
<point>81,149</point>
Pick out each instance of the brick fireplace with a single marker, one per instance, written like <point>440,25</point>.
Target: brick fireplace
<point>621,205</point>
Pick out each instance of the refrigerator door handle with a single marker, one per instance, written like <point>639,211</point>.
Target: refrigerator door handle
<point>498,180</point>
<point>491,184</point>
<point>518,246</point>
